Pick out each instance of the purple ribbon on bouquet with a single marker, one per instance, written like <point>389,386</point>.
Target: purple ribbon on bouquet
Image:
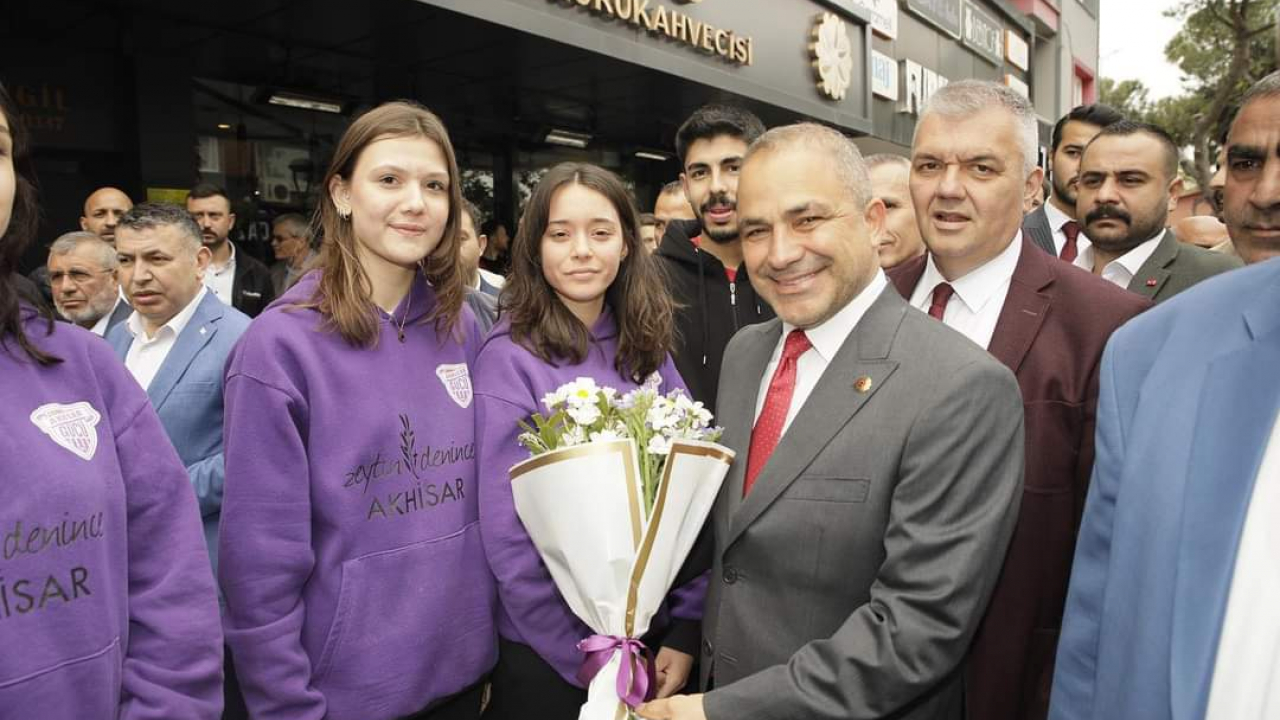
<point>600,649</point>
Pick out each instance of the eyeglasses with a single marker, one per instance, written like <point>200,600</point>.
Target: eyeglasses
<point>77,277</point>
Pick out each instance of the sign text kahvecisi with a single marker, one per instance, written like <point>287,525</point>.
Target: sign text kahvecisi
<point>657,19</point>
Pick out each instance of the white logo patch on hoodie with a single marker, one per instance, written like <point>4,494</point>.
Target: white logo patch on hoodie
<point>73,426</point>
<point>457,382</point>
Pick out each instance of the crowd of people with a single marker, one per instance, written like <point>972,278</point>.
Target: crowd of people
<point>979,474</point>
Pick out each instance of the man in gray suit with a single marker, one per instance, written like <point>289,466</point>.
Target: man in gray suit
<point>860,532</point>
<point>1127,186</point>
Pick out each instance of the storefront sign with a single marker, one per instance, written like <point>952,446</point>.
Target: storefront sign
<point>983,34</point>
<point>883,14</point>
<point>918,85</point>
<point>659,20</point>
<point>944,14</point>
<point>1016,50</point>
<point>884,76</point>
<point>73,105</point>
<point>758,49</point>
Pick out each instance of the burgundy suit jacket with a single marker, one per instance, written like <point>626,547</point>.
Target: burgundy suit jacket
<point>1051,332</point>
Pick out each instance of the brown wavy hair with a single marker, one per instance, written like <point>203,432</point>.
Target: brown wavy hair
<point>344,294</point>
<point>638,296</point>
<point>23,220</point>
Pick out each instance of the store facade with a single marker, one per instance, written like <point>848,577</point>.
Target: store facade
<point>153,96</point>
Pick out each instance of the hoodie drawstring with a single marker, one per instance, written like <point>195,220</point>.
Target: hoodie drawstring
<point>702,292</point>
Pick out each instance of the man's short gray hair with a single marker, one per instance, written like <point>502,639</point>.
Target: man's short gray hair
<point>1267,87</point>
<point>296,223</point>
<point>69,242</point>
<point>845,156</point>
<point>875,161</point>
<point>963,98</point>
<point>151,215</point>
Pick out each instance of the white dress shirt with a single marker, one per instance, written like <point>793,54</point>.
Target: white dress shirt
<point>493,279</point>
<point>221,278</point>
<point>1246,674</point>
<point>979,296</point>
<point>100,328</point>
<point>1121,270</point>
<point>147,354</point>
<point>826,340</point>
<point>1057,219</point>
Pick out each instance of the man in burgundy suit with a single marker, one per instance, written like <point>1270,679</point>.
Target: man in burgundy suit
<point>973,166</point>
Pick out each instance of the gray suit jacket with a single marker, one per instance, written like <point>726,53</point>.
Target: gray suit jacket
<point>1176,266</point>
<point>1035,225</point>
<point>851,580</point>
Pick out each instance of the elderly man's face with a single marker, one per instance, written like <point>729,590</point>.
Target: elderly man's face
<point>84,289</point>
<point>806,241</point>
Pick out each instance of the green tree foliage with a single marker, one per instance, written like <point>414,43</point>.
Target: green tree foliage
<point>1223,47</point>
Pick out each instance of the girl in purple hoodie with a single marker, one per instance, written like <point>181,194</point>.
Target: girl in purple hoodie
<point>107,603</point>
<point>350,554</point>
<point>583,300</point>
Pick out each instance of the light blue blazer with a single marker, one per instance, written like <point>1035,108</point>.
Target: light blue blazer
<point>187,395</point>
<point>1189,394</point>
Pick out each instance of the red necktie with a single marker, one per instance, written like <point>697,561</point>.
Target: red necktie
<point>1071,229</point>
<point>941,295</point>
<point>768,429</point>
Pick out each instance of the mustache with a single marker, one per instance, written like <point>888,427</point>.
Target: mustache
<point>1103,212</point>
<point>720,198</point>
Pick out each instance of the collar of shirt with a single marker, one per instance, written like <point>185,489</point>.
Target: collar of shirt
<point>1122,269</point>
<point>100,328</point>
<point>230,264</point>
<point>976,288</point>
<point>1056,217</point>
<point>175,326</point>
<point>831,334</point>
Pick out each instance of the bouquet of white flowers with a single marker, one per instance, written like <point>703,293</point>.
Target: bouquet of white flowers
<point>613,498</point>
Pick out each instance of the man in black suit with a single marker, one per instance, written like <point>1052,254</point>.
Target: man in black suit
<point>1052,227</point>
<point>236,278</point>
<point>1128,185</point>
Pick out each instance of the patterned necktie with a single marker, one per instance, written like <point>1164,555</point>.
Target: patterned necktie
<point>1071,229</point>
<point>941,294</point>
<point>768,429</point>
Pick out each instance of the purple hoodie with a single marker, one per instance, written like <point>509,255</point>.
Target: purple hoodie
<point>107,602</point>
<point>510,383</point>
<point>350,554</point>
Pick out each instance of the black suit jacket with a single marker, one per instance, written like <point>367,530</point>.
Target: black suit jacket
<point>251,289</point>
<point>1035,225</point>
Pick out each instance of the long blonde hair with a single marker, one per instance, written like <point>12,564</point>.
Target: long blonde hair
<point>344,294</point>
